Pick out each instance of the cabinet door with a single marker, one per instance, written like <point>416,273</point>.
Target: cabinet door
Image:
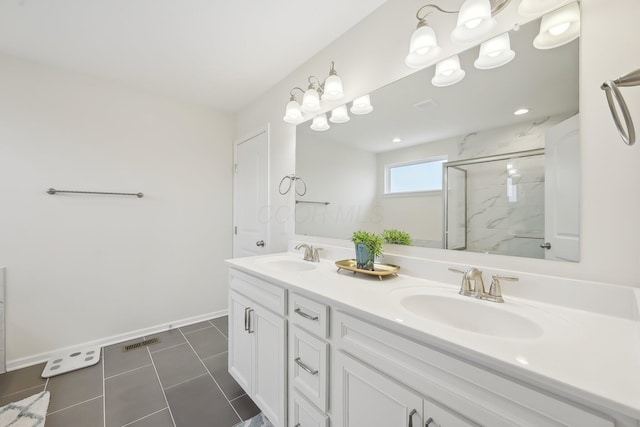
<point>365,398</point>
<point>269,380</point>
<point>240,341</point>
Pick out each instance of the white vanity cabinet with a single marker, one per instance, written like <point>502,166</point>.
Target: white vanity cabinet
<point>398,375</point>
<point>257,343</point>
<point>365,397</point>
<point>309,353</point>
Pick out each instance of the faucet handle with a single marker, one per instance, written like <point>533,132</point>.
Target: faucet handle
<point>495,291</point>
<point>465,285</point>
<point>316,254</point>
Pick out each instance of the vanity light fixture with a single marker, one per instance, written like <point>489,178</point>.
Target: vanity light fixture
<point>339,115</point>
<point>293,111</point>
<point>448,72</point>
<point>475,20</point>
<point>362,105</point>
<point>320,123</point>
<point>331,90</point>
<point>495,52</point>
<point>559,27</point>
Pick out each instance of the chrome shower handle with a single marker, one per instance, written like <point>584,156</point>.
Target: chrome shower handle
<point>613,93</point>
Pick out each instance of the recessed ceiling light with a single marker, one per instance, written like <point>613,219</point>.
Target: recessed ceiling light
<point>396,139</point>
<point>521,111</point>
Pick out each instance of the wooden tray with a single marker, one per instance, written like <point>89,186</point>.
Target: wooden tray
<point>379,270</point>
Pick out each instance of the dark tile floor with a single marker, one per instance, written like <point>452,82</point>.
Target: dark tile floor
<point>182,381</point>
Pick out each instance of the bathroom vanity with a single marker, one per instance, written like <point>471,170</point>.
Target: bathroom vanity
<point>313,347</point>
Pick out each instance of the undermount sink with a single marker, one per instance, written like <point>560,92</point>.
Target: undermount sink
<point>289,265</point>
<point>481,317</point>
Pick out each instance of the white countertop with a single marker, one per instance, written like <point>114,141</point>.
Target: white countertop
<point>588,357</point>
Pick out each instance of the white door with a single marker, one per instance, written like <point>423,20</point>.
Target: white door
<point>365,398</point>
<point>562,191</point>
<point>250,196</point>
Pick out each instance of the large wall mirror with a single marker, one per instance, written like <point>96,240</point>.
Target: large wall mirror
<point>511,182</point>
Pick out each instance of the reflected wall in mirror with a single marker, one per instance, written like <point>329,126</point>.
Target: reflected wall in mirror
<point>498,201</point>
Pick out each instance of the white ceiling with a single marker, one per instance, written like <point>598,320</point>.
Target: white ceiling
<point>220,53</point>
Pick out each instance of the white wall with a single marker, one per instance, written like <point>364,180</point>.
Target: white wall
<point>351,208</point>
<point>83,268</point>
<point>372,55</point>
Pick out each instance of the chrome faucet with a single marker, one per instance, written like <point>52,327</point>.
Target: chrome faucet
<point>473,286</point>
<point>310,253</point>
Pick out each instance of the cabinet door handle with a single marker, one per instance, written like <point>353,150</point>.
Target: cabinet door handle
<point>411,414</point>
<point>305,315</point>
<point>249,321</point>
<point>429,421</point>
<point>246,319</point>
<point>305,367</point>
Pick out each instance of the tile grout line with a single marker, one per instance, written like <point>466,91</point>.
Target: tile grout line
<point>220,330</point>
<point>197,330</point>
<point>74,405</point>
<point>126,372</point>
<point>146,416</point>
<point>167,348</point>
<point>161,388</point>
<point>26,389</point>
<point>212,377</point>
<point>185,381</point>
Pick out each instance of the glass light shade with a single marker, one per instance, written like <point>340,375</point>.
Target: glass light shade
<point>423,47</point>
<point>339,115</point>
<point>362,105</point>
<point>474,22</point>
<point>333,90</point>
<point>448,72</point>
<point>495,53</point>
<point>311,101</point>
<point>536,8</point>
<point>320,123</point>
<point>559,27</point>
<point>293,113</point>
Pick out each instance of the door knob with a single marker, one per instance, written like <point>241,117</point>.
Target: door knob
<point>260,243</point>
<point>547,245</point>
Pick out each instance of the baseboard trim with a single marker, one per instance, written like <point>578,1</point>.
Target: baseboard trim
<point>24,362</point>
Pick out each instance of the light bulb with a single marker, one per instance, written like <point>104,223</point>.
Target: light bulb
<point>320,123</point>
<point>362,105</point>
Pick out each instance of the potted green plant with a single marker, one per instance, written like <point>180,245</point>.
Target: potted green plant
<point>368,247</point>
<point>396,237</point>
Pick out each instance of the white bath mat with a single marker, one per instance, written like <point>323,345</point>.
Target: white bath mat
<point>67,362</point>
<point>29,412</point>
<point>258,421</point>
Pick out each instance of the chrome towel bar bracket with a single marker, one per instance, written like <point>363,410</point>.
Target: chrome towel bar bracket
<point>53,191</point>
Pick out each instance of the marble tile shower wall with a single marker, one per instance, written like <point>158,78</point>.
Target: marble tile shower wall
<point>505,207</point>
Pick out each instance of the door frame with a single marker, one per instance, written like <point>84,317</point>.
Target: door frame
<point>257,131</point>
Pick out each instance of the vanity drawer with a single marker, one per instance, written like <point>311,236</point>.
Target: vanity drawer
<point>309,314</point>
<point>269,296</point>
<point>304,414</point>
<point>308,366</point>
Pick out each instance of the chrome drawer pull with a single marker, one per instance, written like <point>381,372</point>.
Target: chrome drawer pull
<point>249,321</point>
<point>305,315</point>
<point>411,414</point>
<point>305,367</point>
<point>429,421</point>
<point>246,319</point>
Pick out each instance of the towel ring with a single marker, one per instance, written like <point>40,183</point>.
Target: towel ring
<point>613,94</point>
<point>292,181</point>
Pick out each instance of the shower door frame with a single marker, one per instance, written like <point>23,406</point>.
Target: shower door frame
<point>456,164</point>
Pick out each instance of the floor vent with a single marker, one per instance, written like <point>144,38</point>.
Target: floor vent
<point>140,344</point>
